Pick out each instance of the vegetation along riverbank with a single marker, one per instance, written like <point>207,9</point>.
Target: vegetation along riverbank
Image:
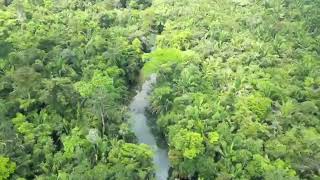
<point>237,94</point>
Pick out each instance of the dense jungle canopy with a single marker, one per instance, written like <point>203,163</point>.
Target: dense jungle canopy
<point>237,93</point>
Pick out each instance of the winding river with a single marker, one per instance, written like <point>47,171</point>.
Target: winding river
<point>142,130</point>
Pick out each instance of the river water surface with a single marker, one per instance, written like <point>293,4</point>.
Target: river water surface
<point>142,130</point>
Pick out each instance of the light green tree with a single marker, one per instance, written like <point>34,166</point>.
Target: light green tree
<point>6,168</point>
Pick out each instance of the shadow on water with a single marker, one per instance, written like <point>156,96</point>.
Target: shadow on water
<point>140,127</point>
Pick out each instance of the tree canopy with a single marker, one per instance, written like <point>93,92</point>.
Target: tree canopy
<point>237,93</point>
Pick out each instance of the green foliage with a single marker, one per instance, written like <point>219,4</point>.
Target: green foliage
<point>161,99</point>
<point>66,74</point>
<point>72,142</point>
<point>132,161</point>
<point>190,144</point>
<point>213,137</point>
<point>179,40</point>
<point>6,168</point>
<point>166,57</point>
<point>237,93</point>
<point>24,127</point>
<point>250,93</point>
<point>262,167</point>
<point>98,81</point>
<point>256,104</point>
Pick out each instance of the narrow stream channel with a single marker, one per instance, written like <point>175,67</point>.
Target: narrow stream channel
<point>142,130</point>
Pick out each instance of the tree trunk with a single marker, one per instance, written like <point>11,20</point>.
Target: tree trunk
<point>102,121</point>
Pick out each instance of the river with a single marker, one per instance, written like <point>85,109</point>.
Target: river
<point>141,129</point>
